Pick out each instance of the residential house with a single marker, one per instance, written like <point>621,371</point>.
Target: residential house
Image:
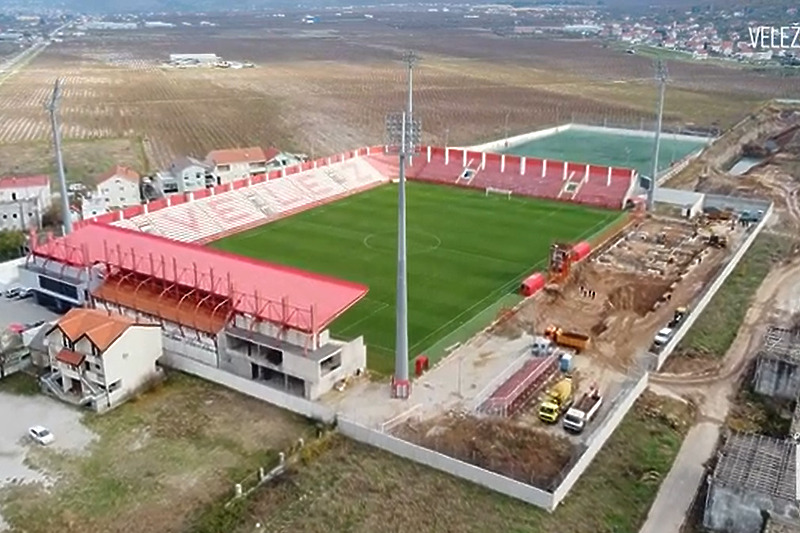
<point>101,359</point>
<point>116,189</point>
<point>727,48</point>
<point>23,200</point>
<point>185,174</point>
<point>237,163</point>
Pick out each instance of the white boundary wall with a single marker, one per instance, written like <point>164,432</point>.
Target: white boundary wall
<point>712,289</point>
<point>250,388</point>
<point>598,439</point>
<point>407,450</point>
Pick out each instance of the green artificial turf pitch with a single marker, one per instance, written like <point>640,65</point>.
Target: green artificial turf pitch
<point>465,251</point>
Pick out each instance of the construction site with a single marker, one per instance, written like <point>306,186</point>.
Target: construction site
<point>591,327</point>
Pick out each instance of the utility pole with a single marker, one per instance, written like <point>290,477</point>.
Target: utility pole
<point>661,78</point>
<point>505,128</point>
<point>52,107</point>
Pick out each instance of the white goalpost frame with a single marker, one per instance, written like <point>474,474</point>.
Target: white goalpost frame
<point>494,190</point>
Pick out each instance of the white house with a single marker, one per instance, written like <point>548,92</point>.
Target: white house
<point>117,189</point>
<point>185,174</point>
<point>233,164</point>
<point>23,200</point>
<point>236,163</point>
<point>101,359</point>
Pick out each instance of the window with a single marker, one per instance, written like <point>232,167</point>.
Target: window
<point>95,351</point>
<point>30,215</point>
<point>114,386</point>
<point>87,366</point>
<point>58,287</point>
<point>13,196</point>
<point>14,215</point>
<point>223,168</point>
<point>5,217</point>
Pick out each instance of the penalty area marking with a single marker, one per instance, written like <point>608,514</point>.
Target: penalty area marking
<point>430,248</point>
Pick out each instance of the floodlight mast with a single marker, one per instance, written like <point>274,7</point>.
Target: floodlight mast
<point>52,107</point>
<point>409,131</point>
<point>661,77</point>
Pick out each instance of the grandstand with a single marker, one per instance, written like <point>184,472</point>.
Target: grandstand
<point>256,319</point>
<point>598,186</point>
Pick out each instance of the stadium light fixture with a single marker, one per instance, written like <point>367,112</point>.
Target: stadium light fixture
<point>402,136</point>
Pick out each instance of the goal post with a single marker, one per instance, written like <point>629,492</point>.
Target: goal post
<point>498,192</point>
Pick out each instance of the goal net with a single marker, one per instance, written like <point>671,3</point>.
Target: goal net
<point>498,192</point>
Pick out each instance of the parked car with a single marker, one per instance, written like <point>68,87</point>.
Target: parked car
<point>662,337</point>
<point>12,292</point>
<point>25,292</point>
<point>41,434</point>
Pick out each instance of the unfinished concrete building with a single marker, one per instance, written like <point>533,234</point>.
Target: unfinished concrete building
<point>778,525</point>
<point>778,364</point>
<point>754,478</point>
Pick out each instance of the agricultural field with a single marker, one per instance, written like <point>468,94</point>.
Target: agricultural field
<point>346,486</point>
<point>328,89</point>
<point>462,258</point>
<point>151,465</point>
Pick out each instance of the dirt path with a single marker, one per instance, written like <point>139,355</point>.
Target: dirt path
<point>713,391</point>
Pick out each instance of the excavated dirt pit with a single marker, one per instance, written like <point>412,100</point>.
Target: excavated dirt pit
<point>638,281</point>
<point>500,445</point>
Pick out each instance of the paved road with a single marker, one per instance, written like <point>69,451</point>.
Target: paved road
<point>674,498</point>
<point>679,487</point>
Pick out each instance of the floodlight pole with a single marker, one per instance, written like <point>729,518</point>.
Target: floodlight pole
<point>661,77</point>
<point>401,387</point>
<point>410,59</point>
<point>52,107</point>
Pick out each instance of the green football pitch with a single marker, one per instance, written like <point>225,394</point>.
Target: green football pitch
<point>466,251</point>
<point>609,148</point>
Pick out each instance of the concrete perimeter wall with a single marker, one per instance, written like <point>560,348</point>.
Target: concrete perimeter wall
<point>711,290</point>
<point>619,408</point>
<point>444,463</point>
<point>295,404</point>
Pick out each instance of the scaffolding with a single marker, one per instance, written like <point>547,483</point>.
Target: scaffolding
<point>782,344</point>
<point>759,464</point>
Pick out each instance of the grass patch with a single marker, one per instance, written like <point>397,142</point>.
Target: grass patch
<point>465,252</point>
<point>20,383</point>
<point>356,488</point>
<point>716,328</point>
<point>173,451</point>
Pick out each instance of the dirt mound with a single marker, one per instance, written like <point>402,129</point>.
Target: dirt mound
<point>496,444</point>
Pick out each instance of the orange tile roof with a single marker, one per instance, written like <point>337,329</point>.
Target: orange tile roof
<point>120,171</point>
<point>236,155</point>
<point>98,326</point>
<point>14,182</point>
<point>71,358</point>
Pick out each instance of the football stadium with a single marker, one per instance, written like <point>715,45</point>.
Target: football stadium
<point>282,286</point>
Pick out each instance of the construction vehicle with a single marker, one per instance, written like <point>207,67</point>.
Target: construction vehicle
<point>717,241</point>
<point>751,217</point>
<point>569,339</point>
<point>677,318</point>
<point>542,346</point>
<point>580,414</point>
<point>557,401</point>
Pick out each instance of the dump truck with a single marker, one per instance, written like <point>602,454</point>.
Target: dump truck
<point>569,339</point>
<point>556,402</point>
<point>579,415</point>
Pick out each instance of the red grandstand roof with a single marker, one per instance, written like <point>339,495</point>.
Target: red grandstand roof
<point>271,292</point>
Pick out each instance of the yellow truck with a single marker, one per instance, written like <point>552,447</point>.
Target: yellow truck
<point>568,339</point>
<point>556,402</point>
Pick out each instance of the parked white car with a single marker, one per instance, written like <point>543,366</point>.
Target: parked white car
<point>41,435</point>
